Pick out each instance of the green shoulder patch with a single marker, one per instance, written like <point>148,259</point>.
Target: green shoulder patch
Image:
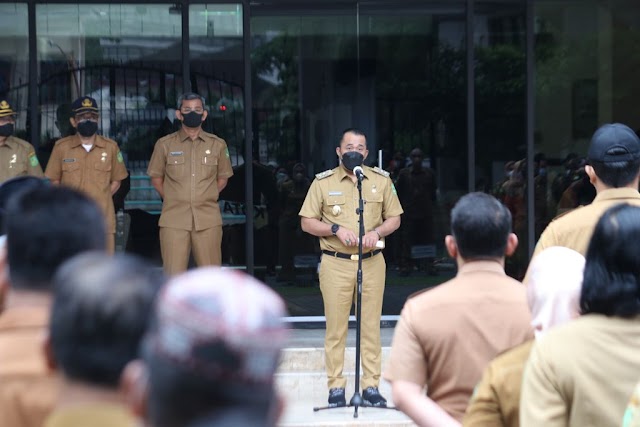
<point>393,188</point>
<point>381,171</point>
<point>33,160</point>
<point>120,159</point>
<point>324,174</point>
<point>226,152</point>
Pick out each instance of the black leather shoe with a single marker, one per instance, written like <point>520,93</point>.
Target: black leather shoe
<point>372,397</point>
<point>336,398</point>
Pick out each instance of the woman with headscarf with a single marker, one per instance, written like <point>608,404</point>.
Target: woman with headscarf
<point>583,373</point>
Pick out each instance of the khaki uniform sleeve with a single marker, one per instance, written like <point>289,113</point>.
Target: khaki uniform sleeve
<point>541,403</point>
<point>118,170</point>
<point>33,165</point>
<point>484,406</point>
<point>225,170</point>
<point>407,361</point>
<point>391,206</point>
<point>312,206</point>
<point>158,161</point>
<point>54,166</point>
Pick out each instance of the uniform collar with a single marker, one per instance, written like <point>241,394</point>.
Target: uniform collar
<point>342,172</point>
<point>490,266</point>
<point>182,135</point>
<point>9,142</point>
<point>617,193</point>
<point>98,143</point>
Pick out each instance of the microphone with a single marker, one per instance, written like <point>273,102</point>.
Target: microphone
<point>359,172</point>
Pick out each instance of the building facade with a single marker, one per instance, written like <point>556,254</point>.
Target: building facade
<point>499,96</point>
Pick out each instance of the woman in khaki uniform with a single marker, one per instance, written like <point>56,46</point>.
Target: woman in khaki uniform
<point>329,212</point>
<point>89,162</point>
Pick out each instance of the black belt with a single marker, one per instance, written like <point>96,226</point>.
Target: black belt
<point>353,257</point>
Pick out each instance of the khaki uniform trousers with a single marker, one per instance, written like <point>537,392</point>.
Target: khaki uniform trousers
<point>339,291</point>
<point>176,246</point>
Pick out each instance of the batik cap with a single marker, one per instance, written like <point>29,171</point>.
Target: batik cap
<point>84,104</point>
<point>614,135</point>
<point>5,109</point>
<point>220,324</point>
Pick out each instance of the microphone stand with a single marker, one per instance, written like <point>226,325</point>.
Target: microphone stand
<point>356,400</point>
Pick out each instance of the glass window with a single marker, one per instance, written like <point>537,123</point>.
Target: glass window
<point>14,62</point>
<point>586,61</point>
<point>500,119</point>
<point>217,73</point>
<point>127,57</point>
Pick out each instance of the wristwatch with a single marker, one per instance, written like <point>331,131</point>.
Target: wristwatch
<point>334,229</point>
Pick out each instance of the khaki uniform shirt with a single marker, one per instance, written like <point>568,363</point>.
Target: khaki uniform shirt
<point>17,157</point>
<point>190,170</point>
<point>91,172</point>
<point>447,335</point>
<point>581,374</point>
<point>496,400</point>
<point>27,388</point>
<point>333,198</point>
<point>99,414</point>
<point>574,229</point>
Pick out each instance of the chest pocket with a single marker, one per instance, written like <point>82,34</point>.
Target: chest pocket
<point>102,173</point>
<point>373,207</point>
<point>331,201</point>
<point>175,167</point>
<point>71,174</point>
<point>208,166</point>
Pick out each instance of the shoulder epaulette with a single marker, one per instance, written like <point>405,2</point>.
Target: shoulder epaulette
<point>324,174</point>
<point>381,172</point>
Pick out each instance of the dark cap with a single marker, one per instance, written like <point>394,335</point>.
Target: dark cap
<point>610,136</point>
<point>84,104</point>
<point>5,109</point>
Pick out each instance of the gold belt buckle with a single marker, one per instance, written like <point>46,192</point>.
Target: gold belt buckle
<point>354,257</point>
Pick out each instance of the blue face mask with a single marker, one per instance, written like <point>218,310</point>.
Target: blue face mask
<point>351,159</point>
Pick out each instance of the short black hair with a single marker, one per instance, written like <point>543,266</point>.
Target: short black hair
<point>100,313</point>
<point>481,226</point>
<point>616,174</point>
<point>15,186</point>
<point>611,284</point>
<point>46,226</point>
<point>354,131</point>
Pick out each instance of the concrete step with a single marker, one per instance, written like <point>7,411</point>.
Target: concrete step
<point>302,382</point>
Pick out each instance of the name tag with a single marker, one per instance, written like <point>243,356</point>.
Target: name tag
<point>335,193</point>
<point>176,153</point>
<point>68,160</point>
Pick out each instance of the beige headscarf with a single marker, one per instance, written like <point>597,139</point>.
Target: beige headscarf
<point>553,290</point>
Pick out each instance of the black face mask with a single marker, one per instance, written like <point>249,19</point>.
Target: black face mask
<point>6,129</point>
<point>192,119</point>
<point>351,159</point>
<point>87,128</point>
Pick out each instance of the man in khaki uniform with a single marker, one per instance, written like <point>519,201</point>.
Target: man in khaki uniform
<point>17,157</point>
<point>189,169</point>
<point>447,335</point>
<point>613,169</point>
<point>329,212</point>
<point>89,162</point>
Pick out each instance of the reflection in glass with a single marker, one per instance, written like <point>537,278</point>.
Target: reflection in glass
<point>14,62</point>
<point>127,57</point>
<point>500,119</point>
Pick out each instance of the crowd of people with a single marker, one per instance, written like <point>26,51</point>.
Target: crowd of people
<point>92,338</point>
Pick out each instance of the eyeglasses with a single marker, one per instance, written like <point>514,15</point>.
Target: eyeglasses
<point>189,110</point>
<point>87,116</point>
